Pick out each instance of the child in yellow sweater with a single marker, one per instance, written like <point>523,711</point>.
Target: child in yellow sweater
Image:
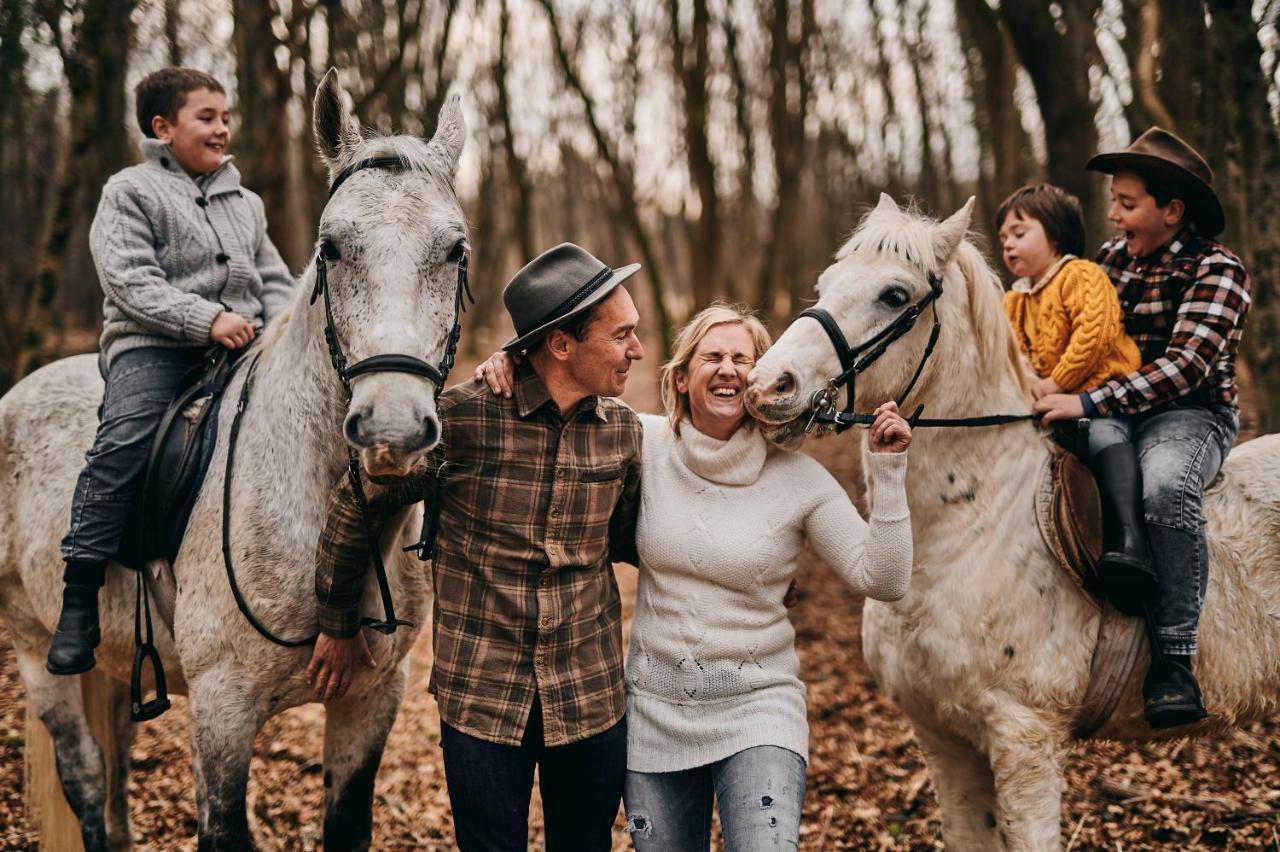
<point>1069,324</point>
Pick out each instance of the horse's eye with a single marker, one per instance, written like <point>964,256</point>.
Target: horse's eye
<point>329,250</point>
<point>458,252</point>
<point>894,296</point>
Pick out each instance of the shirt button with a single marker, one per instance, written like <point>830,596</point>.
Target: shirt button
<point>555,511</point>
<point>164,161</point>
<point>222,258</point>
<point>545,621</point>
<point>201,202</point>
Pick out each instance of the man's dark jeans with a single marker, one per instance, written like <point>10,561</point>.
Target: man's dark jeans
<point>140,385</point>
<point>490,785</point>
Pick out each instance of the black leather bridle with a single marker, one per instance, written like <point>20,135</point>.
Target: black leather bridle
<point>387,363</point>
<point>853,361</point>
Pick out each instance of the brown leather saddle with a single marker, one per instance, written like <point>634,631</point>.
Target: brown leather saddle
<point>1069,515</point>
<point>180,455</point>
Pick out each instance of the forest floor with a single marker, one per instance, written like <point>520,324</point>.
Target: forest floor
<point>868,785</point>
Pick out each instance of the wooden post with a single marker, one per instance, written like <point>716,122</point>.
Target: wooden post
<point>47,809</point>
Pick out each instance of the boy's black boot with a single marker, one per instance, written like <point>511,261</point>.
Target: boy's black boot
<point>1125,568</point>
<point>77,633</point>
<point>1171,695</point>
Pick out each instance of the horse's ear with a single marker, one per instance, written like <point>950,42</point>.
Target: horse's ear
<point>949,233</point>
<point>331,123</point>
<point>886,203</point>
<point>451,134</point>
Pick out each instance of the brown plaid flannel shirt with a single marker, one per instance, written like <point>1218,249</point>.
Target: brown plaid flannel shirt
<point>533,510</point>
<point>1185,309</point>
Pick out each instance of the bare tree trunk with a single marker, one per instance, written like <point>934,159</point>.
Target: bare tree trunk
<point>1057,52</point>
<point>1003,139</point>
<point>1248,177</point>
<point>691,62</point>
<point>264,93</point>
<point>515,163</point>
<point>98,147</point>
<point>172,20</point>
<point>746,220</point>
<point>620,173</point>
<point>1142,39</point>
<point>788,107</point>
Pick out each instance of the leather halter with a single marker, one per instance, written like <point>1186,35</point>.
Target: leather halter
<point>824,401</point>
<point>385,363</point>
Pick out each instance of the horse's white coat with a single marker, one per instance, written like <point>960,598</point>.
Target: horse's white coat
<point>393,292</point>
<point>989,652</point>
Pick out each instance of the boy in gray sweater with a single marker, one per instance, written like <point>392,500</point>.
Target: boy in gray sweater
<point>184,259</point>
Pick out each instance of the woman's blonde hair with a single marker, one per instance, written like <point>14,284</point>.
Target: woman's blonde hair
<point>676,403</point>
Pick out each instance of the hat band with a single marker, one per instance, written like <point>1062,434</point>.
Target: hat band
<point>572,302</point>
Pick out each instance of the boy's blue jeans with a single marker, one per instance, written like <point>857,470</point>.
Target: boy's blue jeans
<point>760,793</point>
<point>1181,447</point>
<point>140,385</point>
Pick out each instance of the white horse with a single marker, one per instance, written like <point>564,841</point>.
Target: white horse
<point>989,653</point>
<point>399,234</point>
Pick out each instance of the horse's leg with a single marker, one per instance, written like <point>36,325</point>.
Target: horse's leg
<point>966,791</point>
<point>119,831</point>
<point>224,721</point>
<point>355,732</point>
<point>59,704</point>
<point>1025,760</point>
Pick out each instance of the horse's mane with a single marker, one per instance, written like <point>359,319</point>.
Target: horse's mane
<point>908,234</point>
<point>413,150</point>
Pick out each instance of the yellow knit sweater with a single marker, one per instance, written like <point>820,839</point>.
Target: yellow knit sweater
<point>1072,327</point>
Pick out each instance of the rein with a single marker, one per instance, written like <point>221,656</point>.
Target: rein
<point>385,363</point>
<point>824,401</point>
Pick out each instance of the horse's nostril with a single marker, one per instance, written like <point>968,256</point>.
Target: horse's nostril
<point>786,385</point>
<point>351,428</point>
<point>430,431</point>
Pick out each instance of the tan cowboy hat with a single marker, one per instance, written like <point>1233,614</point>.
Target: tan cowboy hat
<point>1174,163</point>
<point>554,287</point>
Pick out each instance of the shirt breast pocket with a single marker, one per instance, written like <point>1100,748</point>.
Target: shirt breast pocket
<point>599,489</point>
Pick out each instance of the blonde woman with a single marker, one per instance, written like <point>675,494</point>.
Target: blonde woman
<point>715,706</point>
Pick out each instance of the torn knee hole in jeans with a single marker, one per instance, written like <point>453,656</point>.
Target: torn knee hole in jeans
<point>639,824</point>
<point>766,802</point>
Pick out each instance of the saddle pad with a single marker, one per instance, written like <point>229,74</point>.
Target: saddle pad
<point>1069,515</point>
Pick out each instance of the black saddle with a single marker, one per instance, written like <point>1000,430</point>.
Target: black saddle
<point>180,455</point>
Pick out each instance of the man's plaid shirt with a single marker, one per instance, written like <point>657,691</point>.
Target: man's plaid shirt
<point>1185,308</point>
<point>533,508</point>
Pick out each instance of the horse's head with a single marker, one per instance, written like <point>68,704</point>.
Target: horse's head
<point>886,267</point>
<point>390,244</point>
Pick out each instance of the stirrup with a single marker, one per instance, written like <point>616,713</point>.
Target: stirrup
<point>145,651</point>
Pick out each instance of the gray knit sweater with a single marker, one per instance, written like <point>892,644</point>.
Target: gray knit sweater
<point>172,253</point>
<point>712,667</point>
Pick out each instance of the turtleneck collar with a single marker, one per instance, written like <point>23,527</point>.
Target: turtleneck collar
<point>737,461</point>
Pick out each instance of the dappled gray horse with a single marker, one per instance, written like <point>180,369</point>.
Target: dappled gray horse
<point>392,239</point>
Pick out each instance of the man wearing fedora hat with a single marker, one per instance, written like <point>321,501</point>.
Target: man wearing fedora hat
<point>1185,297</point>
<point>533,497</point>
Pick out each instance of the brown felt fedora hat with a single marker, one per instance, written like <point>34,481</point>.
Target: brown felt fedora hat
<point>554,287</point>
<point>1175,164</point>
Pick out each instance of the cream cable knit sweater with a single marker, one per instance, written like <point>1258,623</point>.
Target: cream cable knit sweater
<point>712,667</point>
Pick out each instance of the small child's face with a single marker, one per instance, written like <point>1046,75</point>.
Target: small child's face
<point>201,133</point>
<point>1026,248</point>
<point>1143,224</point>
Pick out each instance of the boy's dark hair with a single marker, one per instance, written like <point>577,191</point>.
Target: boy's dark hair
<point>164,92</point>
<point>1057,210</point>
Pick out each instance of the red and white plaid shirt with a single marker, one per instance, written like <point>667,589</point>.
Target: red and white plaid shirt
<point>1184,306</point>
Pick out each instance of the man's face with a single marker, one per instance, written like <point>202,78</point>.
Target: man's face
<point>200,134</point>
<point>1144,225</point>
<point>601,362</point>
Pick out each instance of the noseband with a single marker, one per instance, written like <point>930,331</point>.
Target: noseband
<point>824,400</point>
<point>386,363</point>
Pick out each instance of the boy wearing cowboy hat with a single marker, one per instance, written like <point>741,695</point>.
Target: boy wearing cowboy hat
<point>536,495</point>
<point>1185,297</point>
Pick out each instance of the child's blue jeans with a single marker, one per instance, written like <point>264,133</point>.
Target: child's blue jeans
<point>140,385</point>
<point>1181,447</point>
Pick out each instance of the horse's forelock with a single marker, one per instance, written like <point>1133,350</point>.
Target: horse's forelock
<point>412,149</point>
<point>905,234</point>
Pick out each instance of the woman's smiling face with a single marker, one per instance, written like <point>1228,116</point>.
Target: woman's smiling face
<point>716,379</point>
